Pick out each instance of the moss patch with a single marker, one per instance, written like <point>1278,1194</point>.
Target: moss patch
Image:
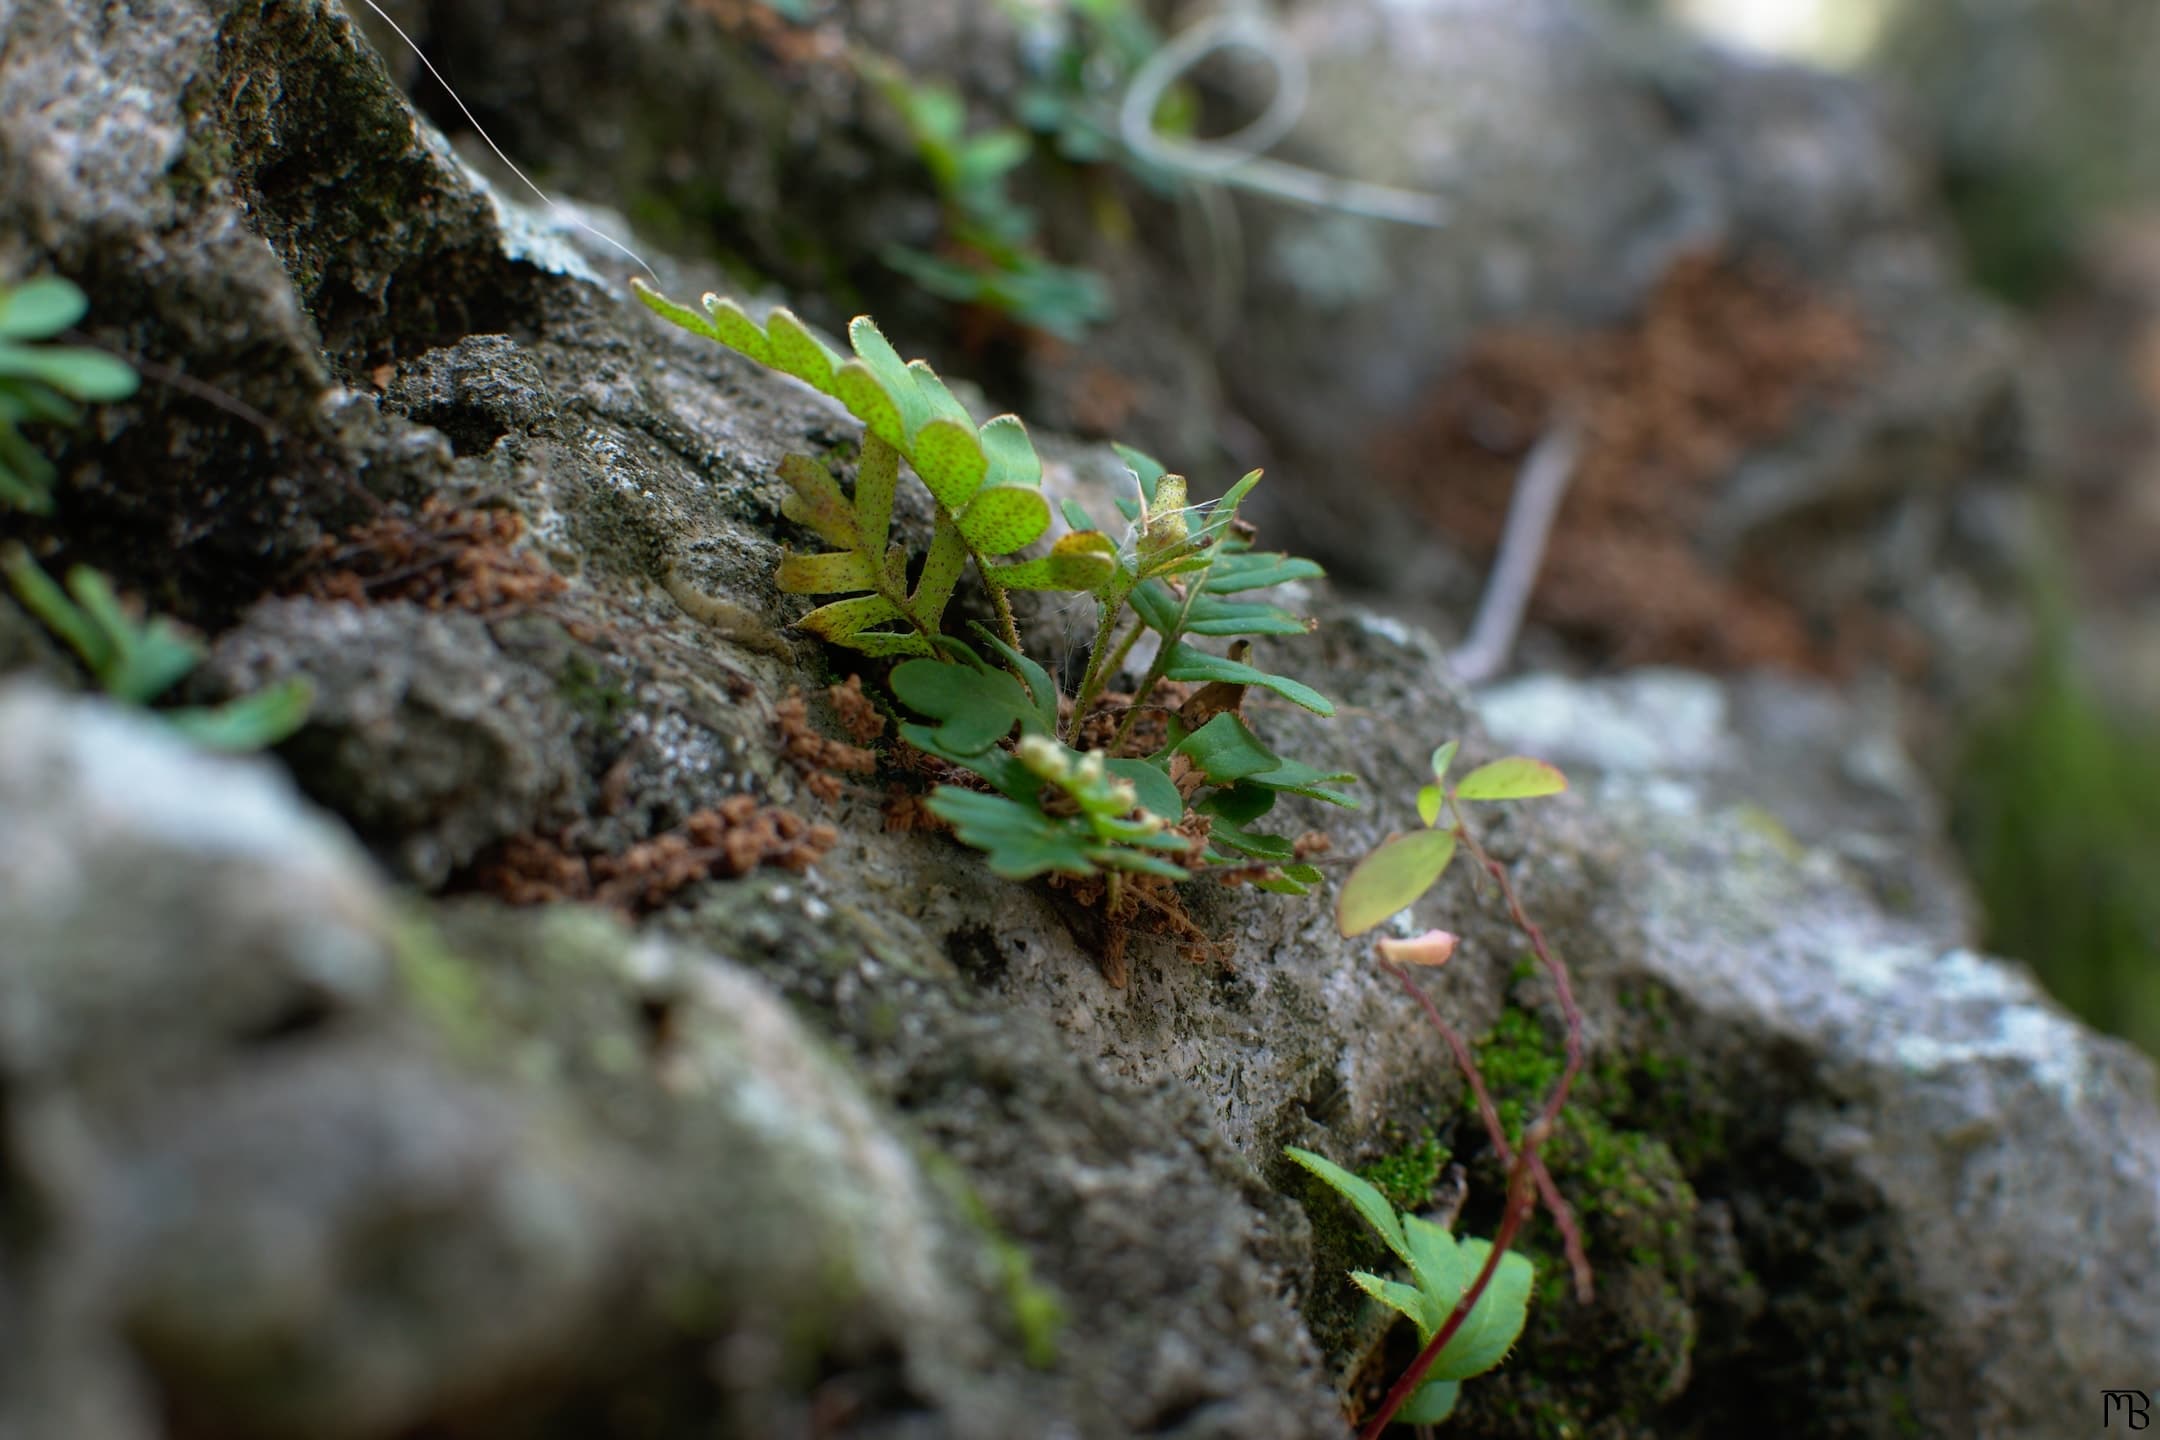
<point>1407,1177</point>
<point>1605,1368</point>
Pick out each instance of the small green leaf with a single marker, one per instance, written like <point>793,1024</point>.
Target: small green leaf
<point>1084,560</point>
<point>1157,608</point>
<point>1361,1194</point>
<point>1516,778</point>
<point>941,571</point>
<point>1245,570</point>
<point>1158,795</point>
<point>877,477</point>
<point>832,572</point>
<point>1409,1301</point>
<point>1227,751</point>
<point>799,353</point>
<point>886,644</point>
<point>950,460</point>
<point>251,722</point>
<point>815,499</point>
<point>1013,460</point>
<point>984,158</point>
<point>144,659</point>
<point>1235,495</point>
<point>1186,663</point>
<point>1391,878</point>
<point>1443,757</point>
<point>84,374</point>
<point>1429,801</point>
<point>975,708</point>
<point>1298,778</point>
<point>1433,1402</point>
<point>42,596</point>
<point>691,320</point>
<point>891,372</point>
<point>1019,840</point>
<point>1495,1322</point>
<point>1211,615</point>
<point>1040,686</point>
<point>844,618</point>
<point>1004,518</point>
<point>40,308</point>
<point>1272,848</point>
<point>869,401</point>
<point>726,323</point>
<point>944,405</point>
<point>1239,804</point>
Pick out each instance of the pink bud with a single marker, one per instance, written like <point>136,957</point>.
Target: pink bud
<point>1431,948</point>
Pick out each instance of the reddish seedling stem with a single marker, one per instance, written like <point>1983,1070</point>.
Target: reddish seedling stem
<point>1525,1171</point>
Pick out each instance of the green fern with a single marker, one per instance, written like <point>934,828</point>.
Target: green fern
<point>986,482</point>
<point>1048,807</point>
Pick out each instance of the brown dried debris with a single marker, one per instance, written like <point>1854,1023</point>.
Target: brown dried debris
<point>819,760</point>
<point>1149,733</point>
<point>730,839</point>
<point>1149,904</point>
<point>1722,360</point>
<point>443,558</point>
<point>858,713</point>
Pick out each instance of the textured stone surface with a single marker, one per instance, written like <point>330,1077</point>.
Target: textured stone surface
<point>834,1148</point>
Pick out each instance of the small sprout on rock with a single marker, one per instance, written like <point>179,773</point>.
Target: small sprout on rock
<point>42,383</point>
<point>1443,1269</point>
<point>136,661</point>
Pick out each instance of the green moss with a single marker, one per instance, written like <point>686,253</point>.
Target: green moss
<point>1037,1313</point>
<point>1606,1367</point>
<point>442,987</point>
<point>590,691</point>
<point>1407,1177</point>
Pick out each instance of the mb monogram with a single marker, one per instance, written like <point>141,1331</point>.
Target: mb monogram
<point>2131,1408</point>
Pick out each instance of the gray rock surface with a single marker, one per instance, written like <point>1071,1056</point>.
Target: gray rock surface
<point>835,1148</point>
<point>1825,969</point>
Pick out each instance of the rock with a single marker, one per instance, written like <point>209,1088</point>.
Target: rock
<point>423,730</point>
<point>844,1146</point>
<point>1821,769</point>
<point>294,1150</point>
<point>1823,972</point>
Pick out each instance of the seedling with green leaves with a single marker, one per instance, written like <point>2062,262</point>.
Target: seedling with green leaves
<point>1404,867</point>
<point>1443,1269</point>
<point>1386,882</point>
<point>136,661</point>
<point>1184,573</point>
<point>42,383</point>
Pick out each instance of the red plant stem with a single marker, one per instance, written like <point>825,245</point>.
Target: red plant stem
<point>1563,1217</point>
<point>1524,1170</point>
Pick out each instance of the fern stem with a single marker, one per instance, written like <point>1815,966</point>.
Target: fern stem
<point>1001,603</point>
<point>1102,662</point>
<point>1194,585</point>
<point>1125,648</point>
